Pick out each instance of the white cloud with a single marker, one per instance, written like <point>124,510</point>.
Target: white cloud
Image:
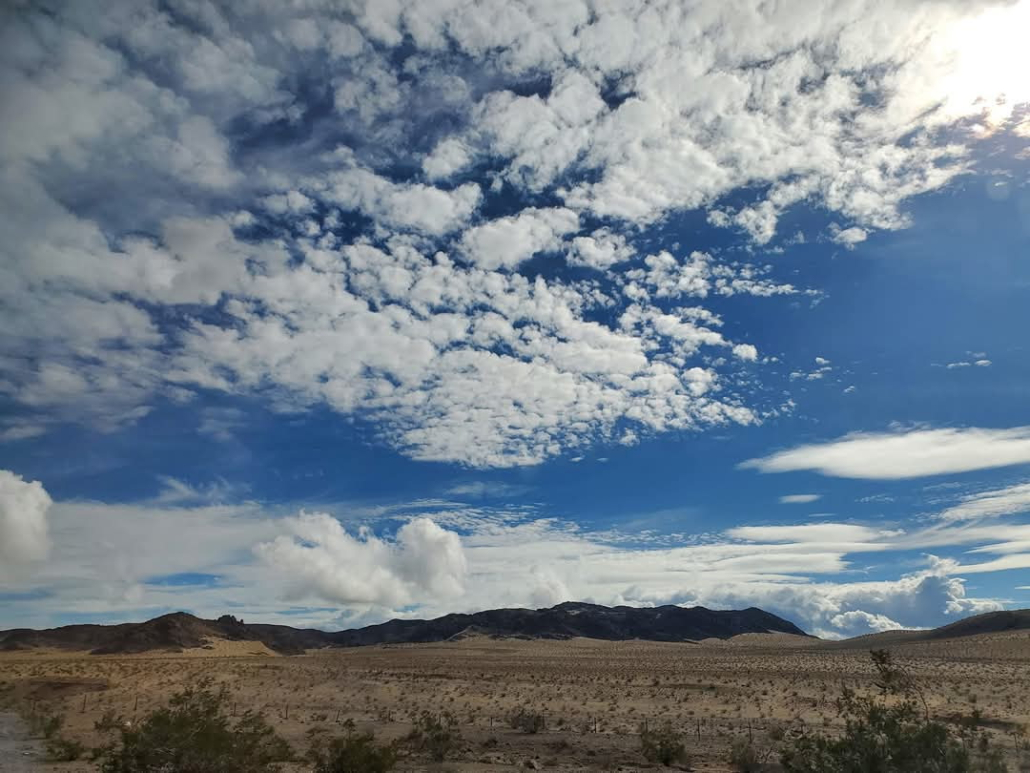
<point>322,561</point>
<point>406,206</point>
<point>112,559</point>
<point>990,504</point>
<point>601,250</point>
<point>179,213</point>
<point>849,237</point>
<point>23,521</point>
<point>448,158</point>
<point>799,499</point>
<point>745,352</point>
<point>904,454</point>
<point>862,537</point>
<point>506,242</point>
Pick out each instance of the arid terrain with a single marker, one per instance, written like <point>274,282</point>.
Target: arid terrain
<point>593,695</point>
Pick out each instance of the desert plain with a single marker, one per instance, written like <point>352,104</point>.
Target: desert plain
<point>593,696</point>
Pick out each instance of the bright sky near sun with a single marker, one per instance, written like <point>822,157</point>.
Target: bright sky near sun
<point>325,313</point>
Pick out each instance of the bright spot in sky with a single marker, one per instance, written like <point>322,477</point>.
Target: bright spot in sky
<point>990,58</point>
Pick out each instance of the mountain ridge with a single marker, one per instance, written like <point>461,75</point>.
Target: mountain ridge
<point>180,630</point>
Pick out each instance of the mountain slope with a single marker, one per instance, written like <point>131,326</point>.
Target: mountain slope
<point>571,619</point>
<point>977,625</point>
<point>182,631</point>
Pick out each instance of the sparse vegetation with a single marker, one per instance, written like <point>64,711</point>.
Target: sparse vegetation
<point>594,696</point>
<point>528,721</point>
<point>746,757</point>
<point>435,734</point>
<point>891,732</point>
<point>353,753</point>
<point>662,744</point>
<point>193,734</point>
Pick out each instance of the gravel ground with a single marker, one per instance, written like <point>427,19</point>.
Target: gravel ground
<point>18,753</point>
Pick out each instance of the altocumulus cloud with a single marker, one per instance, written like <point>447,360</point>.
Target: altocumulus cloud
<point>258,232</point>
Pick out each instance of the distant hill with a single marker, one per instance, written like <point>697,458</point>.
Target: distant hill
<point>174,632</point>
<point>987,623</point>
<point>179,631</point>
<point>572,619</point>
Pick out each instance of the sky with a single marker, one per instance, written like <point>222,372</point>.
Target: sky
<point>324,313</point>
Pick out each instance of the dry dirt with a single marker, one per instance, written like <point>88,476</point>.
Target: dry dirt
<point>594,695</point>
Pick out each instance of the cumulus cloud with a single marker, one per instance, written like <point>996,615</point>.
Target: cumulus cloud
<point>320,559</point>
<point>904,454</point>
<point>23,520</point>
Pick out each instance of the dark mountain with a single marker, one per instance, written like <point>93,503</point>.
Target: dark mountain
<point>182,631</point>
<point>668,623</point>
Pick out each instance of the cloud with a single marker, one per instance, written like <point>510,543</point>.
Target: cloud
<point>849,237</point>
<point>862,537</point>
<point>23,521</point>
<point>312,569</point>
<point>799,499</point>
<point>506,242</point>
<point>321,560</point>
<point>485,489</point>
<point>270,201</point>
<point>904,454</point>
<point>990,504</point>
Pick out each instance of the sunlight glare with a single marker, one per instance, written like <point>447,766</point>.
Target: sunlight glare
<point>990,63</point>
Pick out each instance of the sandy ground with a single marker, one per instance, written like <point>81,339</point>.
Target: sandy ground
<point>593,695</point>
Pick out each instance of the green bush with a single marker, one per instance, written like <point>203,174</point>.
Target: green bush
<point>353,753</point>
<point>193,734</point>
<point>891,733</point>
<point>662,744</point>
<point>435,734</point>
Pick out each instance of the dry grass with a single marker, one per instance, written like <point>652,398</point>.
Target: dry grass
<point>594,695</point>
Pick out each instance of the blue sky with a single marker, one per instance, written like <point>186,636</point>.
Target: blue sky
<point>327,315</point>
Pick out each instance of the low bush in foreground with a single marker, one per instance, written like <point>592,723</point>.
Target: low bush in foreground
<point>435,734</point>
<point>662,744</point>
<point>193,734</point>
<point>353,753</point>
<point>891,732</point>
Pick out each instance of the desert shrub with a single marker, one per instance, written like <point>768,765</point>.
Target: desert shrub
<point>193,734</point>
<point>435,734</point>
<point>60,749</point>
<point>662,744</point>
<point>353,753</point>
<point>891,732</point>
<point>527,721</point>
<point>745,757</point>
<point>44,724</point>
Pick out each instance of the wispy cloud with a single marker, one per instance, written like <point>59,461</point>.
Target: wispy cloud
<point>903,454</point>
